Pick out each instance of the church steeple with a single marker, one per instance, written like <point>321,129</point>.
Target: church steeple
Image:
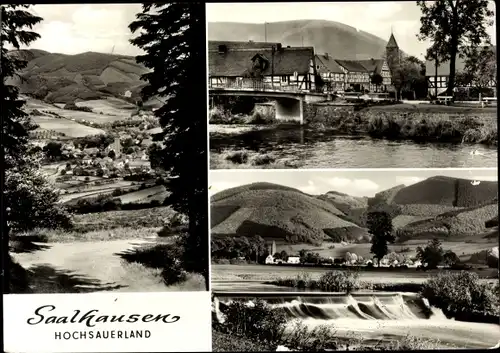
<point>392,42</point>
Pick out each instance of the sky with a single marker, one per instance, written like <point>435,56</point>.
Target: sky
<point>375,17</point>
<point>351,182</point>
<point>78,28</point>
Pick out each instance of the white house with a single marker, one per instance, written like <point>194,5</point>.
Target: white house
<point>269,260</point>
<point>293,260</point>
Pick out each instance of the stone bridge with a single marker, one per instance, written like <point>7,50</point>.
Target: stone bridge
<point>289,104</point>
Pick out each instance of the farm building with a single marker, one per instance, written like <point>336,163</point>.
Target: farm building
<point>253,65</point>
<point>440,72</point>
<point>293,260</point>
<point>269,260</point>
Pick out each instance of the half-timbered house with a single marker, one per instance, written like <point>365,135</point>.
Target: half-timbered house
<point>331,73</point>
<point>251,65</point>
<point>357,77</point>
<point>378,67</point>
<point>440,72</point>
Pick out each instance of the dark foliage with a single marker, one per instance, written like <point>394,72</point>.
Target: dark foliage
<point>174,51</point>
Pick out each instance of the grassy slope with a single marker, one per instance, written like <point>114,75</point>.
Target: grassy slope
<point>277,212</point>
<point>63,78</point>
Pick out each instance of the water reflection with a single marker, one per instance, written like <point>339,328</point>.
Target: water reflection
<point>314,149</point>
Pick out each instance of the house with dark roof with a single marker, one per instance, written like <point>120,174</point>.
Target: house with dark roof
<point>254,65</point>
<point>331,73</point>
<point>339,75</point>
<point>378,67</point>
<point>440,73</point>
<point>357,77</point>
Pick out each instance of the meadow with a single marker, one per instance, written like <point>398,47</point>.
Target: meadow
<point>67,127</point>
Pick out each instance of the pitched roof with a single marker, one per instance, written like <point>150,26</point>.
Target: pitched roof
<point>352,65</point>
<point>392,42</point>
<point>236,62</point>
<point>372,65</point>
<point>444,67</point>
<point>329,63</point>
<point>213,45</point>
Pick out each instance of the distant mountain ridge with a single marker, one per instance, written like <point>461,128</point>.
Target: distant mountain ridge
<point>340,41</point>
<point>435,206</point>
<point>64,78</point>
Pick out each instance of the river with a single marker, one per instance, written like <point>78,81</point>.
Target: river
<point>372,316</point>
<point>300,147</point>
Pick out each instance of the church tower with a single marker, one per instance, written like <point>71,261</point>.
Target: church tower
<point>392,53</point>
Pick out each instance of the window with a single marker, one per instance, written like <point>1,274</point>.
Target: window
<point>284,79</point>
<point>317,67</point>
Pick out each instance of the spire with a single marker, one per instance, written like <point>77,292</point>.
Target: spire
<point>392,42</point>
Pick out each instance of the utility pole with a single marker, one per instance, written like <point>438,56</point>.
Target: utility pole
<point>436,74</point>
<point>272,66</point>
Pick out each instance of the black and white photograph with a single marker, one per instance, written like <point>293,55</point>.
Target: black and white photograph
<point>354,259</point>
<point>380,84</point>
<point>105,185</point>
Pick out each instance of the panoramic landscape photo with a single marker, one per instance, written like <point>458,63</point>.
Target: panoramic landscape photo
<point>96,194</point>
<point>362,84</point>
<point>394,259</point>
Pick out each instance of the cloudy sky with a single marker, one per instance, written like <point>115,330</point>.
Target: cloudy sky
<point>73,29</point>
<point>375,17</point>
<point>355,183</point>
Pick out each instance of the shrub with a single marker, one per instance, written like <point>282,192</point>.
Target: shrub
<point>460,292</point>
<point>259,321</point>
<point>238,157</point>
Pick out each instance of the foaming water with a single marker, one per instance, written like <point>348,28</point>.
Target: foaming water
<point>307,148</point>
<point>380,316</point>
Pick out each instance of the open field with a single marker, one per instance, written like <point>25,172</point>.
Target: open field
<point>68,127</point>
<point>145,195</point>
<point>109,107</point>
<point>226,275</point>
<point>94,190</point>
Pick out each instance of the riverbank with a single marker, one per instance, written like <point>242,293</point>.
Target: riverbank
<point>338,320</point>
<point>457,125</point>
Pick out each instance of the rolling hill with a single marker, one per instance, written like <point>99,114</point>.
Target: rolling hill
<point>435,206</point>
<point>62,78</point>
<point>339,40</point>
<point>448,207</point>
<point>279,213</point>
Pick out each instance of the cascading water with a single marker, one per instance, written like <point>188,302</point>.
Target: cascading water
<point>377,316</point>
<point>341,306</point>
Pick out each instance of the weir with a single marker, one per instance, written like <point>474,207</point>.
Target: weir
<point>335,306</point>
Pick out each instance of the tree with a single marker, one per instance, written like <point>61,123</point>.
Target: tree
<point>454,27</point>
<point>376,79</point>
<point>112,154</point>
<point>380,227</point>
<point>406,75</point>
<point>53,150</point>
<point>480,69</point>
<point>450,258</point>
<point>169,34</point>
<point>155,155</point>
<point>432,254</point>
<point>27,199</point>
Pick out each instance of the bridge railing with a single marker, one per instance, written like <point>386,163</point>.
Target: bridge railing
<point>258,85</point>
